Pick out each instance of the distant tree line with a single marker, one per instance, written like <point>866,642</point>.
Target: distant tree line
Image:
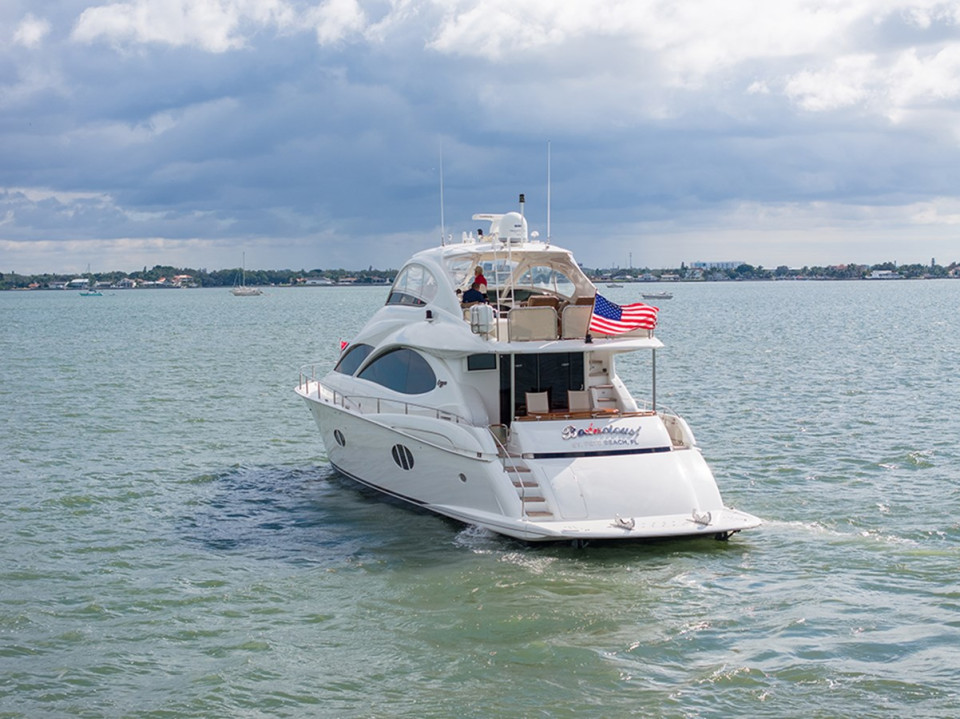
<point>745,271</point>
<point>198,277</point>
<point>229,277</point>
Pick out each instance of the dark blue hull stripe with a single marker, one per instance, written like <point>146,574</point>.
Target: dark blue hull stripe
<point>608,453</point>
<point>403,497</point>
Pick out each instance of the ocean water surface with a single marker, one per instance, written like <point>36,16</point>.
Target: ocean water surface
<point>174,542</point>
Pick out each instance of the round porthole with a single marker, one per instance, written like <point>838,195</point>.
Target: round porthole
<point>463,477</point>
<point>402,456</point>
<point>338,435</point>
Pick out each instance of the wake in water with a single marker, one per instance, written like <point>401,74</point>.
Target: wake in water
<point>289,513</point>
<point>309,514</point>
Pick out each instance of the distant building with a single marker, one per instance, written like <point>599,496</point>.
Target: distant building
<point>717,265</point>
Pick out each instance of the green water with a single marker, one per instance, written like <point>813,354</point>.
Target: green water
<point>174,543</point>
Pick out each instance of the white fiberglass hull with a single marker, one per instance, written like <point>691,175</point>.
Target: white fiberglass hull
<point>456,470</point>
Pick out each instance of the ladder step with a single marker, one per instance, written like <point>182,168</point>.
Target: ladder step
<point>524,483</point>
<point>539,514</point>
<point>516,468</point>
<point>533,499</point>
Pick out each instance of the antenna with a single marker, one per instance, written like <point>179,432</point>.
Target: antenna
<point>548,192</point>
<point>443,230</point>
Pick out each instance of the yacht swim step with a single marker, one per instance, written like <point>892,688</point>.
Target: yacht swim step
<point>539,514</point>
<point>523,482</point>
<point>516,468</point>
<point>533,499</point>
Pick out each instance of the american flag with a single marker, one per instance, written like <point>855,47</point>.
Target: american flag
<point>610,319</point>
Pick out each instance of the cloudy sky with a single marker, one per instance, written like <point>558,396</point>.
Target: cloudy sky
<point>309,133</point>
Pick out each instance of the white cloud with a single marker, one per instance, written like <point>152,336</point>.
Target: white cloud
<point>212,25</point>
<point>848,82</point>
<point>693,39</point>
<point>31,32</point>
<point>335,20</point>
<point>916,79</point>
<point>41,194</point>
<point>942,211</point>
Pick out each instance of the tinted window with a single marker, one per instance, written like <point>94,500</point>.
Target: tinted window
<point>553,373</point>
<point>402,298</point>
<point>477,362</point>
<point>353,358</point>
<point>401,370</point>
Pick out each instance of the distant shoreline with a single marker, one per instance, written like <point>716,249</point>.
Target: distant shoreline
<point>167,277</point>
<point>599,283</point>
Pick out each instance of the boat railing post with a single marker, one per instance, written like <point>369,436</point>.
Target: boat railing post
<point>512,472</point>
<point>654,382</point>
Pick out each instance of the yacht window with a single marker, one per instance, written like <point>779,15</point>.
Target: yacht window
<point>401,370</point>
<point>353,358</point>
<point>478,362</point>
<point>415,285</point>
<point>547,279</point>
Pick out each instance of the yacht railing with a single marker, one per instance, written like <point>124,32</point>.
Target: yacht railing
<point>362,404</point>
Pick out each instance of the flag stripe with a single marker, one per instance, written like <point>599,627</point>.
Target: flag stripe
<point>610,318</point>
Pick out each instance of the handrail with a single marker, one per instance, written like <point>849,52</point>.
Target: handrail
<point>361,404</point>
<point>502,451</point>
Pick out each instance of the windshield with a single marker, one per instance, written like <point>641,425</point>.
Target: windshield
<point>547,279</point>
<point>415,285</point>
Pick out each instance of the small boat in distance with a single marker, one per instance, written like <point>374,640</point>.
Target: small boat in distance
<point>241,290</point>
<point>91,293</point>
<point>509,413</point>
<point>614,284</point>
<point>658,295</point>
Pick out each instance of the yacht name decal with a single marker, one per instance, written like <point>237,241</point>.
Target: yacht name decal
<point>624,434</point>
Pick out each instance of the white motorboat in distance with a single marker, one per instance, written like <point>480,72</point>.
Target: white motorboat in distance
<point>510,414</point>
<point>658,295</point>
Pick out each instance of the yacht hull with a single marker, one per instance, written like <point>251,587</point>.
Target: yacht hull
<point>459,472</point>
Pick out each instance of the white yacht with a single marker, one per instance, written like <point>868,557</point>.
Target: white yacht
<point>510,414</point>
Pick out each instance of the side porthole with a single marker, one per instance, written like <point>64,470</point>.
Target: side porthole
<point>463,477</point>
<point>338,435</point>
<point>402,456</point>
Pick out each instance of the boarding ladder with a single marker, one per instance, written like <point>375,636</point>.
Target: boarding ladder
<point>534,504</point>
